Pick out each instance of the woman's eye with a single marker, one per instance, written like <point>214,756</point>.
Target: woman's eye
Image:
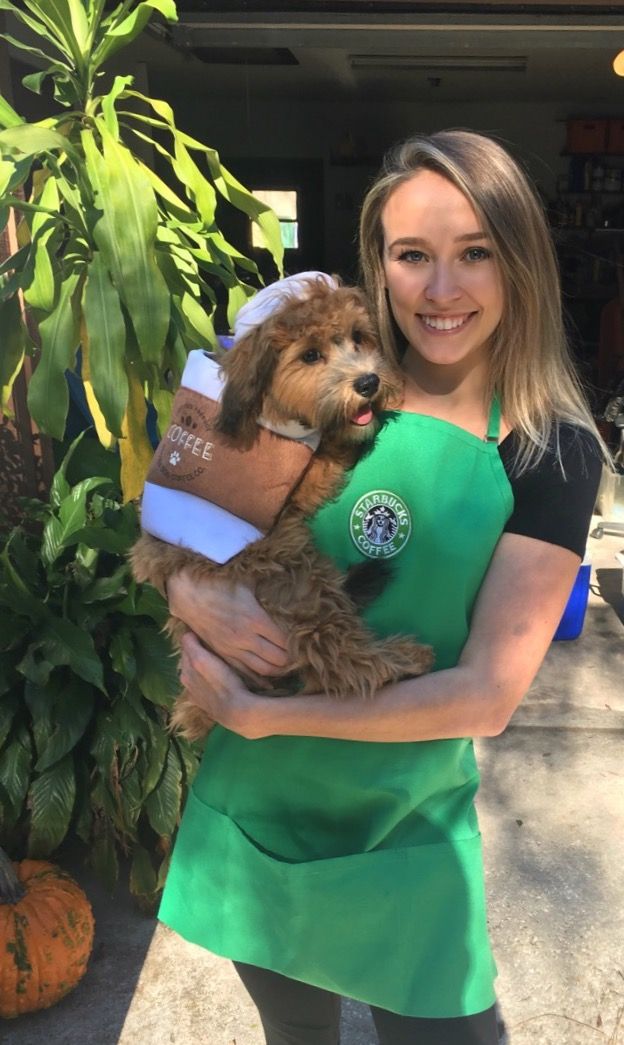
<point>311,355</point>
<point>412,256</point>
<point>478,254</point>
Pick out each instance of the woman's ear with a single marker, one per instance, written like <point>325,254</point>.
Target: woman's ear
<point>249,368</point>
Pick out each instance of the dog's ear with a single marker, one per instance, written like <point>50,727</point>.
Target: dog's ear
<point>249,369</point>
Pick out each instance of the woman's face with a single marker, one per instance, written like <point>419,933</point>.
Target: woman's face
<point>442,277</point>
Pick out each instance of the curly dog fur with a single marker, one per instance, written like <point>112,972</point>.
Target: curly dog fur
<point>315,361</point>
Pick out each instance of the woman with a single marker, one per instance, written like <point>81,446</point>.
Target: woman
<point>332,848</point>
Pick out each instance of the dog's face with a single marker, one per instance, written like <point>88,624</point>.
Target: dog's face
<point>315,362</point>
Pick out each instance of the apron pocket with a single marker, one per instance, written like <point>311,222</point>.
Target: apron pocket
<point>403,929</point>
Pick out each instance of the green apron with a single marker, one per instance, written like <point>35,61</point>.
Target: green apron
<point>357,866</point>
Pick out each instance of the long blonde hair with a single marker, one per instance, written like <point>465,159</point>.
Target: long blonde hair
<point>531,368</point>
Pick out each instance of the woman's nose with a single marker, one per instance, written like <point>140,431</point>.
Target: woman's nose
<point>442,284</point>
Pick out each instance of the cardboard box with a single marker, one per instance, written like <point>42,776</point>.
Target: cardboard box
<point>615,137</point>
<point>586,136</point>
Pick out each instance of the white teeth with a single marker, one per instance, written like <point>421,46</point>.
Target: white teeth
<point>439,323</point>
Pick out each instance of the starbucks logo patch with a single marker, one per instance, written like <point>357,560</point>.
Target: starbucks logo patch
<point>380,524</point>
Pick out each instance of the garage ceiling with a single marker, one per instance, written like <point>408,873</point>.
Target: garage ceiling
<point>388,50</point>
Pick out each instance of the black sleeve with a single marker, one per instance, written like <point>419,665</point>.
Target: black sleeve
<point>550,504</point>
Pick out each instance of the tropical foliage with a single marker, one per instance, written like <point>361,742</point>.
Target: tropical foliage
<point>126,263</point>
<point>87,679</point>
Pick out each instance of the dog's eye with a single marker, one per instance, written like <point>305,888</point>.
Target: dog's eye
<point>311,355</point>
<point>357,337</point>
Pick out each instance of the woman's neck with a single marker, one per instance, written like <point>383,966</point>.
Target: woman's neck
<point>458,394</point>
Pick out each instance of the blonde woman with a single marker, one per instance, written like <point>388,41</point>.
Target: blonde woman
<point>332,848</point>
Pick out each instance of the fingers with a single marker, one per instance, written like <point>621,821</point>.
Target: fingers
<point>274,658</point>
<point>276,640</point>
<point>200,660</point>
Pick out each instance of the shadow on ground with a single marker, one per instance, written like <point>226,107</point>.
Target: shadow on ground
<point>609,587</point>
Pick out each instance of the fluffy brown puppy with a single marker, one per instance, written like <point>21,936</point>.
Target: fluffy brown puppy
<point>314,362</point>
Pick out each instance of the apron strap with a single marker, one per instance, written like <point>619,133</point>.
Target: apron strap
<point>493,428</point>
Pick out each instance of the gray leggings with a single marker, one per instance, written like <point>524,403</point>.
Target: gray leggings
<point>294,1013</point>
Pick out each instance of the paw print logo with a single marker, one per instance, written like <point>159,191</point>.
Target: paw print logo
<point>188,422</point>
<point>174,458</point>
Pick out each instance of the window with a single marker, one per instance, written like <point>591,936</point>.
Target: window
<point>284,203</point>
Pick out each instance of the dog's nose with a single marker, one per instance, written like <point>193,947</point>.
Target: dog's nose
<point>366,385</point>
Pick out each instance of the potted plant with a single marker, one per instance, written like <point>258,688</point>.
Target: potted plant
<point>87,678</point>
<point>118,260</point>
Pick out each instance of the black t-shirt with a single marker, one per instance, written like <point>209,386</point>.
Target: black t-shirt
<point>548,504</point>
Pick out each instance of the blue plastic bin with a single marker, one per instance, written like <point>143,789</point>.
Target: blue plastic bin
<point>571,624</point>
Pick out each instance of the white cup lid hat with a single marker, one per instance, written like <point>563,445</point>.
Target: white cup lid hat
<point>271,298</point>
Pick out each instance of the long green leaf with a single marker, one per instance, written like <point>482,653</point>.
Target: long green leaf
<point>77,648</point>
<point>60,488</point>
<point>225,182</point>
<point>72,714</point>
<point>166,192</point>
<point>163,805</point>
<point>73,203</point>
<point>15,766</point>
<point>156,757</point>
<point>105,588</point>
<point>79,21</point>
<point>18,594</point>
<point>200,189</point>
<point>13,346</point>
<point>37,664</point>
<point>9,707</point>
<point>106,338</point>
<point>31,139</point>
<point>41,292</point>
<point>8,115</point>
<point>55,15</point>
<point>237,297</point>
<point>108,104</point>
<point>48,395</point>
<point>199,320</point>
<point>125,31</point>
<point>121,652</point>
<point>71,519</point>
<point>34,81</point>
<point>36,51</point>
<point>51,799</point>
<point>7,170</point>
<point>37,25</point>
<point>125,234</point>
<point>157,673</point>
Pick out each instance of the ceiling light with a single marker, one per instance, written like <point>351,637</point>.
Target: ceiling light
<point>476,63</point>
<point>618,64</point>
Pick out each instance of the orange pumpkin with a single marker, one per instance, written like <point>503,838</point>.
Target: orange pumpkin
<point>46,935</point>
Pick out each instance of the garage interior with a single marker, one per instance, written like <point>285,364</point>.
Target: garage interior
<point>303,98</point>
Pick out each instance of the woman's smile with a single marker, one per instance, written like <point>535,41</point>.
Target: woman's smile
<point>441,324</point>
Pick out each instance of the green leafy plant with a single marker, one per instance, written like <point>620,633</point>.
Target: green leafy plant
<point>87,678</point>
<point>112,258</point>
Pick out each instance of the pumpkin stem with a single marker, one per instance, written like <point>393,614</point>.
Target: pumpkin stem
<point>11,889</point>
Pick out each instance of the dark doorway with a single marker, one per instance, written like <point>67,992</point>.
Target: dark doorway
<point>305,179</point>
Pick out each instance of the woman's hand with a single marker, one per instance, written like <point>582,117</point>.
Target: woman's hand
<point>230,620</point>
<point>215,688</point>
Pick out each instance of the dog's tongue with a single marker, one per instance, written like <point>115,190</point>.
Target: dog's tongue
<point>363,417</point>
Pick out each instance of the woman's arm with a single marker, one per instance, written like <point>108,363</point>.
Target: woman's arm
<point>517,612</point>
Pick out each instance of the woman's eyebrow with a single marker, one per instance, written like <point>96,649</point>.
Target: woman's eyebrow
<point>411,241</point>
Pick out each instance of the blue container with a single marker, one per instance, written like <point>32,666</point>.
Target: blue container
<point>571,624</point>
